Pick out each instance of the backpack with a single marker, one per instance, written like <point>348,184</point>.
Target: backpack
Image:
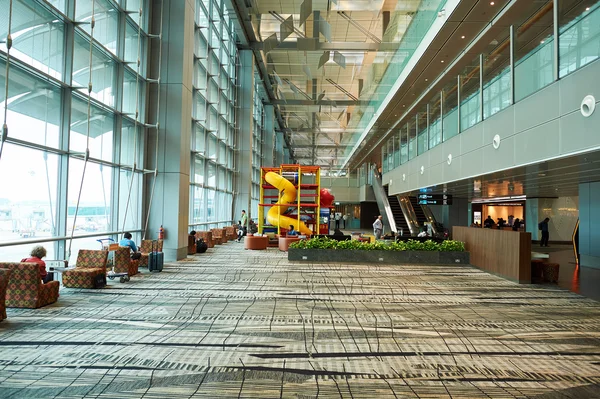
<point>201,246</point>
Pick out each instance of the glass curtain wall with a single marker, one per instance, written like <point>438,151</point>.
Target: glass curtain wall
<point>53,123</point>
<point>483,88</point>
<point>213,120</point>
<point>257,141</point>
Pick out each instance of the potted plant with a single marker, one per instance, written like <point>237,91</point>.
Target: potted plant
<point>352,251</point>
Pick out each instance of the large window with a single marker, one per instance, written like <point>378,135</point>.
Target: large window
<point>213,119</point>
<point>53,125</point>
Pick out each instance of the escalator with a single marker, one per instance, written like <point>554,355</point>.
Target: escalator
<point>401,225</point>
<point>421,218</point>
<point>389,221</point>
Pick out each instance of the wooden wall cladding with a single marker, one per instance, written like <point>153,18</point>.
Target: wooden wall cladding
<point>504,253</point>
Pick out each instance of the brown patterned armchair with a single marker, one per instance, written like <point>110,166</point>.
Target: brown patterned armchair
<point>123,262</point>
<point>4,275</point>
<point>90,264</point>
<point>231,232</point>
<point>146,248</point>
<point>25,288</point>
<point>217,235</point>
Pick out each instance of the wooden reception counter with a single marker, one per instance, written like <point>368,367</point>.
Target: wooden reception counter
<point>501,252</point>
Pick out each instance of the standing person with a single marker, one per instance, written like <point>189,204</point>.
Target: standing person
<point>378,227</point>
<point>545,234</point>
<point>337,220</point>
<point>37,253</point>
<point>344,218</point>
<point>511,220</point>
<point>244,222</point>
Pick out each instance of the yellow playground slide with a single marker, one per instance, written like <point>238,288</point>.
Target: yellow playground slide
<point>288,196</point>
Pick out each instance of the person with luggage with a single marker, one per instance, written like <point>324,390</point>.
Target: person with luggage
<point>128,242</point>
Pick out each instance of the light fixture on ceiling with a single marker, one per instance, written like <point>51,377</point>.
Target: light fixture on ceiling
<point>492,3</point>
<point>442,61</point>
<point>587,8</point>
<point>463,36</point>
<point>427,80</point>
<point>542,42</point>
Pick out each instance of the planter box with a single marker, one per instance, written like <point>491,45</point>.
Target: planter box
<point>386,257</point>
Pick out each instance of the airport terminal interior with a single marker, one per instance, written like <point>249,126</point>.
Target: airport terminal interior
<point>300,199</point>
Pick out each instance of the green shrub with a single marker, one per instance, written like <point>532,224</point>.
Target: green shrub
<point>410,245</point>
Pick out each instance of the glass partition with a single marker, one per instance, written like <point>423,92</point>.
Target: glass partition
<point>470,112</point>
<point>450,109</point>
<point>435,121</point>
<point>579,33</point>
<point>412,137</point>
<point>496,75</point>
<point>422,129</point>
<point>534,51</point>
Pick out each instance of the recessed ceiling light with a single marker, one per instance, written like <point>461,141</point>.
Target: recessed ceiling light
<point>492,3</point>
<point>587,8</point>
<point>426,79</point>
<point>442,61</point>
<point>462,37</point>
<point>542,42</point>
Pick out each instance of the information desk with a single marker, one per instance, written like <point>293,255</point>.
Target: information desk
<point>504,253</point>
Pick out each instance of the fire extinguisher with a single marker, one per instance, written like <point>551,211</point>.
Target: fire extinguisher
<point>161,233</point>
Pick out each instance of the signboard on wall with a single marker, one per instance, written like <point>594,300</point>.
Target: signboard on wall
<point>435,199</point>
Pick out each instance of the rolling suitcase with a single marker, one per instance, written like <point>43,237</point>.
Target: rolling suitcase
<point>155,259</point>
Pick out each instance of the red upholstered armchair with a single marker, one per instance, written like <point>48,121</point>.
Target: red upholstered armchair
<point>90,264</point>
<point>25,288</point>
<point>4,275</point>
<point>124,263</point>
<point>146,248</point>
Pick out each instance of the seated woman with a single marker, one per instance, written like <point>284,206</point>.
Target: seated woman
<point>37,253</point>
<point>292,231</point>
<point>252,228</point>
<point>128,242</point>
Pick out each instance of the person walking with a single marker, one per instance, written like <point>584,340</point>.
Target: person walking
<point>244,222</point>
<point>543,226</point>
<point>378,227</point>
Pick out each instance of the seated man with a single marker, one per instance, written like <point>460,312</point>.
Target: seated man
<point>128,242</point>
<point>423,233</point>
<point>337,232</point>
<point>292,232</point>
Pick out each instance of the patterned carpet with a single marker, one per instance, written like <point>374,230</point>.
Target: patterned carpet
<point>232,323</point>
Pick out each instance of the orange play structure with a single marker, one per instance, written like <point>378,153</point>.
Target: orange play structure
<point>292,194</point>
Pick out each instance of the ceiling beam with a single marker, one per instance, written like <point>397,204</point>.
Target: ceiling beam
<point>323,147</point>
<point>332,103</point>
<point>324,46</point>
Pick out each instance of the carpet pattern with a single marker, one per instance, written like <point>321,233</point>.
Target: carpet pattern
<point>232,323</point>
